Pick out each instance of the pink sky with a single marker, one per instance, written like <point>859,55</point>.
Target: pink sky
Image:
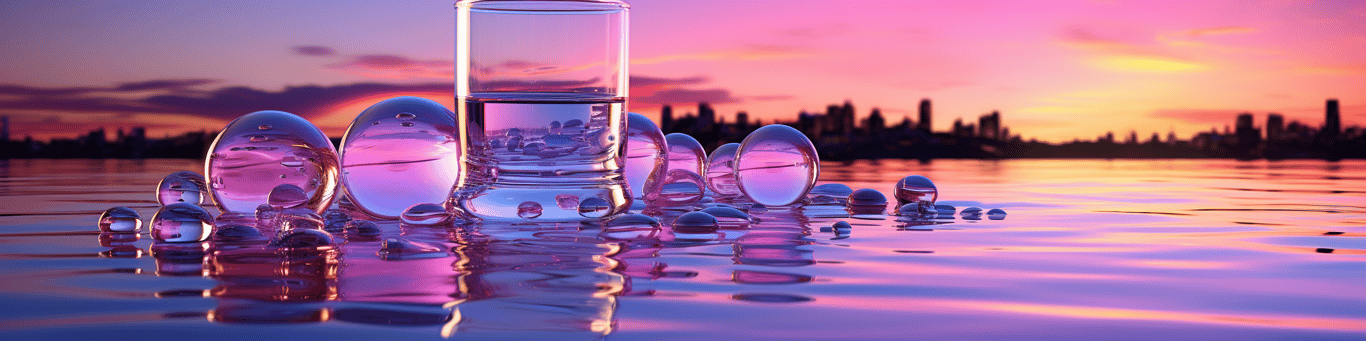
<point>1056,70</point>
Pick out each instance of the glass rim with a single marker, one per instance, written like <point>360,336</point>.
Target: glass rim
<point>545,6</point>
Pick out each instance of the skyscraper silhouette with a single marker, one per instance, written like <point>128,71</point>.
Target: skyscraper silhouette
<point>666,117</point>
<point>925,116</point>
<point>1275,127</point>
<point>1332,121</point>
<point>4,128</point>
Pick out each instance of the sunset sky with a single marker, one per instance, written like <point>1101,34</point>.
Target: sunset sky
<point>1056,70</point>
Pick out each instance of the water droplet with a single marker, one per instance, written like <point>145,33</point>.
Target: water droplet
<point>426,214</point>
<point>298,218</point>
<point>182,186</point>
<point>514,132</point>
<point>971,213</point>
<point>399,249</point>
<point>721,171</point>
<point>181,223</point>
<point>236,233</point>
<point>645,161</point>
<point>567,201</point>
<point>303,238</point>
<point>757,208</point>
<point>555,127</point>
<point>696,223</point>
<point>728,215</point>
<point>266,212</point>
<point>945,210</point>
<point>244,178</point>
<point>685,153</point>
<point>996,214</point>
<point>867,197</point>
<point>120,220</point>
<point>630,226</point>
<point>681,187</point>
<point>375,158</point>
<point>286,196</point>
<point>916,189</point>
<point>830,194</point>
<point>594,207</point>
<point>915,211</point>
<point>529,210</point>
<point>333,214</point>
<point>573,123</point>
<point>841,227</point>
<point>259,138</point>
<point>776,165</point>
<point>364,228</point>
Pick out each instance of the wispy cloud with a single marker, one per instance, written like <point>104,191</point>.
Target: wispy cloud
<point>1125,55</point>
<point>314,50</point>
<point>1222,30</point>
<point>386,66</point>
<point>750,52</point>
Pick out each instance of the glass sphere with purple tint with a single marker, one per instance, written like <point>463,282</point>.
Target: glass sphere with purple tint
<point>776,165</point>
<point>398,153</point>
<point>264,149</point>
<point>181,223</point>
<point>182,186</point>
<point>721,171</point>
<point>120,220</point>
<point>681,187</point>
<point>685,153</point>
<point>645,161</point>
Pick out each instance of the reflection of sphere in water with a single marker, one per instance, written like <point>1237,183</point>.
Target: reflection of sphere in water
<point>776,165</point>
<point>264,149</point>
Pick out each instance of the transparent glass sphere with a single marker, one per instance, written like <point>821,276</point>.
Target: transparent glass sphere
<point>181,223</point>
<point>262,150</point>
<point>398,153</point>
<point>182,186</point>
<point>645,161</point>
<point>776,165</point>
<point>721,171</point>
<point>685,153</point>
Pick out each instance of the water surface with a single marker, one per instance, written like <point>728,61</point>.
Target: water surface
<point>1091,249</point>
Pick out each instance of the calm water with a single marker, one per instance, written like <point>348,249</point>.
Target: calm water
<point>1164,249</point>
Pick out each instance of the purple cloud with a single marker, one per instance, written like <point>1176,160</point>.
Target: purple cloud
<point>314,50</point>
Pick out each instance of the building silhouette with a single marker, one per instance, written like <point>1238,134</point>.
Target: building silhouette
<point>925,116</point>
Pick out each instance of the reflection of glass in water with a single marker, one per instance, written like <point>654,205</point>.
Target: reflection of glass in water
<point>537,282</point>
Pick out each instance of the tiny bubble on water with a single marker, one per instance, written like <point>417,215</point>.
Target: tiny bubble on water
<point>971,213</point>
<point>996,214</point>
<point>181,223</point>
<point>594,207</point>
<point>425,214</point>
<point>696,222</point>
<point>302,238</point>
<point>120,220</point>
<point>529,210</point>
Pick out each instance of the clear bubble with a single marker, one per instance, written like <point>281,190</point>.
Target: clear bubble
<point>333,214</point>
<point>645,161</point>
<point>685,153</point>
<point>120,220</point>
<point>630,226</point>
<point>721,171</point>
<point>235,233</point>
<point>364,228</point>
<point>594,207</point>
<point>301,238</point>
<point>243,171</point>
<point>945,210</point>
<point>996,214</point>
<point>830,194</point>
<point>913,210</point>
<point>776,165</point>
<point>297,218</point>
<point>266,212</point>
<point>399,249</point>
<point>971,213</point>
<point>182,186</point>
<point>426,214</point>
<point>401,140</point>
<point>696,222</point>
<point>529,210</point>
<point>286,196</point>
<point>916,189</point>
<point>681,187</point>
<point>867,197</point>
<point>567,201</point>
<point>181,223</point>
<point>757,208</point>
<point>842,226</point>
<point>728,215</point>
